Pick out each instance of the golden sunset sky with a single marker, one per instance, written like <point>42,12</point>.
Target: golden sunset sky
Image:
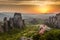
<point>30,6</point>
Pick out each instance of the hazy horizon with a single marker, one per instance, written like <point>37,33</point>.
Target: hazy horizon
<point>25,16</point>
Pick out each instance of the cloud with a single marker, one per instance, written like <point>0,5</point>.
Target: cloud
<point>27,5</point>
<point>29,0</point>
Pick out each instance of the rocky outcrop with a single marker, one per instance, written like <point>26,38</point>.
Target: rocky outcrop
<point>15,22</point>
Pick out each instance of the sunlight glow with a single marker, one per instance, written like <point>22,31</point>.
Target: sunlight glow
<point>43,8</point>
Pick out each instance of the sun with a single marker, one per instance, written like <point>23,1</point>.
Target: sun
<point>43,9</point>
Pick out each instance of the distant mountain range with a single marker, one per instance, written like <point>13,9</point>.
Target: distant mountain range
<point>42,16</point>
<point>25,16</point>
<point>5,14</point>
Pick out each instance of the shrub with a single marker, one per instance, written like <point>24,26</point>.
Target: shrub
<point>36,37</point>
<point>51,35</point>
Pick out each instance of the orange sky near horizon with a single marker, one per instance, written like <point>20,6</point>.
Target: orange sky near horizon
<point>32,6</point>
